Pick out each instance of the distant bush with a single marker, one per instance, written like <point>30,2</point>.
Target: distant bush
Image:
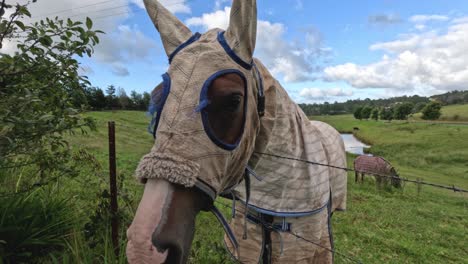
<point>366,112</point>
<point>375,114</point>
<point>432,111</point>
<point>418,107</point>
<point>358,113</point>
<point>386,113</point>
<point>402,111</point>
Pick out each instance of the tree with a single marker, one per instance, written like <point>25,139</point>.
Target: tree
<point>432,111</point>
<point>135,99</point>
<point>375,114</point>
<point>111,98</point>
<point>39,85</point>
<point>95,98</point>
<point>418,107</point>
<point>366,112</point>
<point>123,99</point>
<point>402,111</point>
<point>358,113</point>
<point>386,113</point>
<point>146,101</point>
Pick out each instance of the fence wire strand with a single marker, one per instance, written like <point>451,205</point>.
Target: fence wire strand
<point>452,188</point>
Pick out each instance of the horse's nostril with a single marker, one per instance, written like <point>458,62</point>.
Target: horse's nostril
<point>174,251</point>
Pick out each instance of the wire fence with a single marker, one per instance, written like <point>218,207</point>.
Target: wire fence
<point>419,182</point>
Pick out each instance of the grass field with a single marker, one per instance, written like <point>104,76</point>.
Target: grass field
<point>404,226</point>
<point>379,226</point>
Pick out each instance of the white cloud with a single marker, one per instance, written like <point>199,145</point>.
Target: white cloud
<point>425,63</point>
<point>175,6</point>
<point>220,3</point>
<point>420,27</point>
<point>217,19</point>
<point>126,44</point>
<point>119,69</point>
<point>295,61</point>
<point>121,44</point>
<point>322,94</point>
<point>426,18</point>
<point>384,19</point>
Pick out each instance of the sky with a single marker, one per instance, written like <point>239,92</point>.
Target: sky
<point>320,51</point>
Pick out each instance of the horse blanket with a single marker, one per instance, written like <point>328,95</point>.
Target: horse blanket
<point>300,196</point>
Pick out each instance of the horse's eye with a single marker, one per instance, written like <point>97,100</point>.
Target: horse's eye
<point>233,102</point>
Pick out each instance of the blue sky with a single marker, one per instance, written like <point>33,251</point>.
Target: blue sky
<point>319,50</point>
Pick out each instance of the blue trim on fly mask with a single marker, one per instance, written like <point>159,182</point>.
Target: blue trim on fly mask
<point>231,53</point>
<point>261,93</point>
<point>189,41</point>
<point>204,101</point>
<point>157,104</point>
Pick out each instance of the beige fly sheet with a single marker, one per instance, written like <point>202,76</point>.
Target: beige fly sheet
<point>300,196</point>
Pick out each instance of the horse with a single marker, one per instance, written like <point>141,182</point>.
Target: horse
<point>221,123</point>
<point>377,166</point>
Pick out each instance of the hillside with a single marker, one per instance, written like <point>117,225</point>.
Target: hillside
<point>452,113</point>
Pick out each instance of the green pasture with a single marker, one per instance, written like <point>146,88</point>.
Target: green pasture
<point>404,226</point>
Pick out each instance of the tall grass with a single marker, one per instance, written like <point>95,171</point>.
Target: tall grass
<point>33,225</point>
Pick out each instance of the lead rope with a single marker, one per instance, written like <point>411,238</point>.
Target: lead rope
<point>226,228</point>
<point>247,198</point>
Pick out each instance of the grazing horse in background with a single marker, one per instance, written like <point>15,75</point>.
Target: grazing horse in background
<point>217,115</point>
<point>376,166</point>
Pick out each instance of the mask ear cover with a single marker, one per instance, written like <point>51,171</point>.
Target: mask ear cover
<point>158,99</point>
<point>205,101</point>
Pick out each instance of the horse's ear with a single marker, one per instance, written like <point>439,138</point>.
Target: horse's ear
<point>173,32</point>
<point>242,31</point>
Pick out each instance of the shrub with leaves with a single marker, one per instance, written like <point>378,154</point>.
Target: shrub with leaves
<point>401,111</point>
<point>41,91</point>
<point>386,113</point>
<point>432,111</point>
<point>358,113</point>
<point>375,114</point>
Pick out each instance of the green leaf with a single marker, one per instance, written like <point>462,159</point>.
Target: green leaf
<point>46,41</point>
<point>20,24</point>
<point>89,23</point>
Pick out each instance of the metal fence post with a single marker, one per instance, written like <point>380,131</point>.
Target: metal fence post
<point>113,189</point>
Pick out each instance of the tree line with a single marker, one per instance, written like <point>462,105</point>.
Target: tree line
<point>400,111</point>
<point>115,99</point>
<point>350,106</point>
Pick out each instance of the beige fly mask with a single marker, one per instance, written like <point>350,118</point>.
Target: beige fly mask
<point>186,151</point>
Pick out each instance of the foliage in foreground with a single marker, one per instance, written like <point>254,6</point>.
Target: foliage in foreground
<point>41,92</point>
<point>33,225</point>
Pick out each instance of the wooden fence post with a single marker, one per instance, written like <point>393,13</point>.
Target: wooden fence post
<point>113,189</point>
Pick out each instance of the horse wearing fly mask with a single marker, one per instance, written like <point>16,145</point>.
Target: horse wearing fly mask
<point>217,110</point>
